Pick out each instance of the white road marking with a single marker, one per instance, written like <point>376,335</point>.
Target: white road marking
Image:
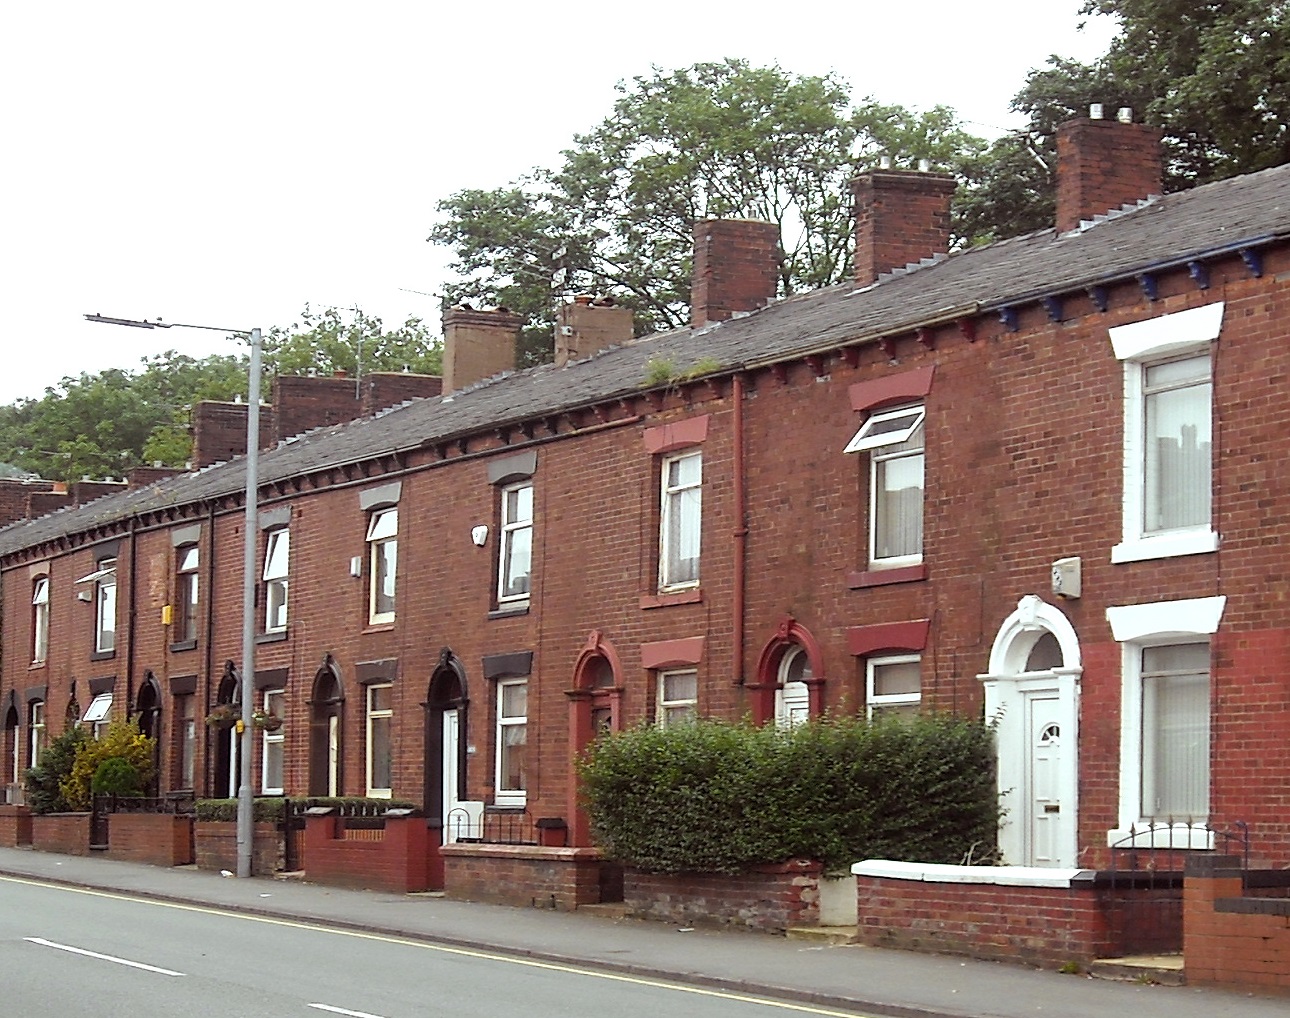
<point>102,957</point>
<point>341,1010</point>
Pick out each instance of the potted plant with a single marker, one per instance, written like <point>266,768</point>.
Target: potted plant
<point>266,720</point>
<point>224,715</point>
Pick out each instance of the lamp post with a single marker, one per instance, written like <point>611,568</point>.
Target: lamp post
<point>245,827</point>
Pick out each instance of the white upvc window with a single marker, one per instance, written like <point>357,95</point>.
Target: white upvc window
<point>893,685</point>
<point>105,606</point>
<point>383,560</point>
<point>793,697</point>
<point>678,697</point>
<point>187,560</point>
<point>1168,434</point>
<point>35,731</point>
<point>895,443</point>
<point>380,746</point>
<point>1165,721</point>
<point>96,714</point>
<point>512,742</point>
<point>277,554</point>
<point>40,620</point>
<point>273,745</point>
<point>515,556</point>
<point>680,521</point>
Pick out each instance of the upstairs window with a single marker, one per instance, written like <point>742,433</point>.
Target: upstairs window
<point>516,550</point>
<point>186,563</point>
<point>96,714</point>
<point>894,441</point>
<point>40,620</point>
<point>512,742</point>
<point>680,521</point>
<point>383,558</point>
<point>277,552</point>
<point>105,606</point>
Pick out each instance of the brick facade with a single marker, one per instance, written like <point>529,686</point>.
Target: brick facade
<point>15,826</point>
<point>64,833</point>
<point>527,875</point>
<point>215,847</point>
<point>397,858</point>
<point>770,898</point>
<point>1232,937</point>
<point>159,839</point>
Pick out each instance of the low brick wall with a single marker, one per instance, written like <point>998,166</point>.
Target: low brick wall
<point>771,898</point>
<point>65,833</point>
<point>394,859</point>
<point>215,847</point>
<point>160,839</point>
<point>15,826</point>
<point>1231,939</point>
<point>1011,913</point>
<point>532,875</point>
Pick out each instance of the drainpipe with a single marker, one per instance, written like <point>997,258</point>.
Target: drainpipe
<point>740,533</point>
<point>208,650</point>
<point>132,625</point>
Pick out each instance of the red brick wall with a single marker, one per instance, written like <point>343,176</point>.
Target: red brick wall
<point>383,389</point>
<point>65,833</point>
<point>215,847</point>
<point>302,403</point>
<point>15,495</point>
<point>15,826</point>
<point>736,268</point>
<point>1103,164</point>
<point>1233,940</point>
<point>766,898</point>
<point>901,217</point>
<point>396,859</point>
<point>159,839</point>
<point>219,431</point>
<point>558,878</point>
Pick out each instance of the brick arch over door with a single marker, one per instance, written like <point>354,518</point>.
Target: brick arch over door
<point>448,691</point>
<point>327,731</point>
<point>597,693</point>
<point>789,635</point>
<point>147,708</point>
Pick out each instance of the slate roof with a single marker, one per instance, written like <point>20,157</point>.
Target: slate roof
<point>1163,231</point>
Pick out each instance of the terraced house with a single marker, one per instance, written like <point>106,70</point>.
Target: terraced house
<point>1041,482</point>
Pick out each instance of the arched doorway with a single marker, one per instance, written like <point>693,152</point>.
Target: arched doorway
<point>326,727</point>
<point>595,706</point>
<point>226,758</point>
<point>10,766</point>
<point>789,687</point>
<point>1032,697</point>
<point>147,708</point>
<point>446,738</point>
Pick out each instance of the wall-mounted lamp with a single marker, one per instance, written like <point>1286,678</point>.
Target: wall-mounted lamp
<point>479,535</point>
<point>356,566</point>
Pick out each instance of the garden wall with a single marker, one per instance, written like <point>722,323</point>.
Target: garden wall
<point>558,878</point>
<point>15,826</point>
<point>1232,939</point>
<point>160,839</point>
<point>396,858</point>
<point>65,833</point>
<point>771,898</point>
<point>215,845</point>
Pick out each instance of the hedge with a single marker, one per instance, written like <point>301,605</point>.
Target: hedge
<point>711,796</point>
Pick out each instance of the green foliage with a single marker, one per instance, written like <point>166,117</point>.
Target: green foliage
<point>121,740</point>
<point>270,809</point>
<point>44,781</point>
<point>713,140</point>
<point>717,797</point>
<point>117,776</point>
<point>333,340</point>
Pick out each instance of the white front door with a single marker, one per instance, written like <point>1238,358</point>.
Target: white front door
<point>1045,820</point>
<point>333,755</point>
<point>451,729</point>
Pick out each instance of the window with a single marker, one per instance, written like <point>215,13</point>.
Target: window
<point>678,697</point>
<point>894,441</point>
<point>271,782</point>
<point>604,698</point>
<point>277,551</point>
<point>40,620</point>
<point>893,685</point>
<point>96,714</point>
<point>380,750</point>
<point>1168,425</point>
<point>105,606</point>
<point>187,559</point>
<point>680,520</point>
<point>35,731</point>
<point>383,556</point>
<point>512,741</point>
<point>516,549</point>
<point>793,698</point>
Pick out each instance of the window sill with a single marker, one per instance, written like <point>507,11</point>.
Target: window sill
<point>498,808</point>
<point>692,596</point>
<point>1159,834</point>
<point>507,611</point>
<point>379,627</point>
<point>182,645</point>
<point>882,577</point>
<point>1193,542</point>
<point>277,636</point>
<point>103,655</point>
<point>37,664</point>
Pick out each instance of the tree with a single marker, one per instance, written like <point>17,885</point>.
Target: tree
<point>330,340</point>
<point>715,139</point>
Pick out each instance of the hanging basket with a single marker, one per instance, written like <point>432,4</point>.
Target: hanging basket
<point>224,715</point>
<point>266,722</point>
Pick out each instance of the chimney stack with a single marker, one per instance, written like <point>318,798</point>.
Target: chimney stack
<point>1103,164</point>
<point>736,268</point>
<point>477,345</point>
<point>589,325</point>
<point>902,216</point>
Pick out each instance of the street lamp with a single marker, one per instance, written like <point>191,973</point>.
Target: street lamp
<point>245,828</point>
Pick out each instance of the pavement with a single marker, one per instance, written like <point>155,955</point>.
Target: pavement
<point>848,978</point>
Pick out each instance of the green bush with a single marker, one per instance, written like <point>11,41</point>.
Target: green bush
<point>717,797</point>
<point>44,781</point>
<point>122,740</point>
<point>270,808</point>
<point>117,776</point>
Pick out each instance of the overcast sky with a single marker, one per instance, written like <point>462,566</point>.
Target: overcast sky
<point>229,163</point>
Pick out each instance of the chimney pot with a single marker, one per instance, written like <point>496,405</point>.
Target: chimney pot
<point>924,165</point>
<point>1095,111</point>
<point>1124,115</point>
<point>583,298</point>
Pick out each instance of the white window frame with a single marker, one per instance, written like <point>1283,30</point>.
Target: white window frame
<point>1134,627</point>
<point>383,714</point>
<point>96,714</point>
<point>881,435</point>
<point>507,723</point>
<point>277,567</point>
<point>104,579</point>
<point>40,620</point>
<point>682,503</point>
<point>514,529</point>
<point>187,590</point>
<point>1138,346</point>
<point>382,535</point>
<point>666,707</point>
<point>35,731</point>
<point>880,701</point>
<point>273,743</point>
